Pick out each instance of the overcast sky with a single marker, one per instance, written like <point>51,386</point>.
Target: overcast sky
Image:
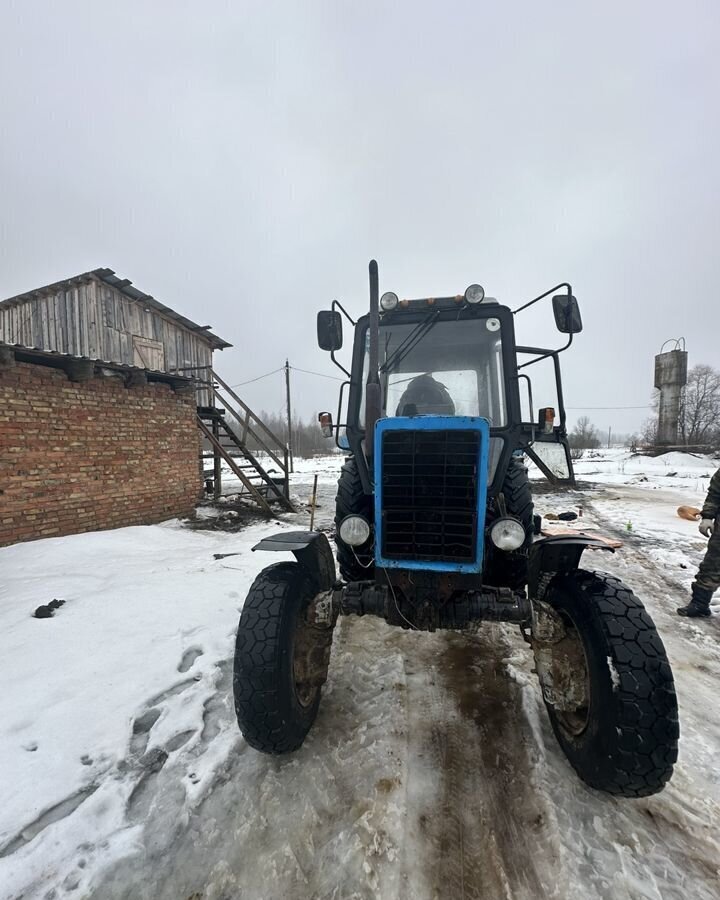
<point>242,162</point>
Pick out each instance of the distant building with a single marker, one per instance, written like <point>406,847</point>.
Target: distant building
<point>671,370</point>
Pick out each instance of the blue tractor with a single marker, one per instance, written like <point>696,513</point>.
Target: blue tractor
<point>435,530</point>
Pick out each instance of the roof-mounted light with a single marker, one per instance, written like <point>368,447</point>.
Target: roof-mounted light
<point>475,294</point>
<point>388,301</point>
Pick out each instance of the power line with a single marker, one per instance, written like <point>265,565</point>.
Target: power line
<point>266,375</point>
<point>282,369</point>
<point>319,374</point>
<point>583,408</point>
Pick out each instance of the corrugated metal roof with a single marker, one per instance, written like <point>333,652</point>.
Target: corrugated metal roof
<point>125,286</point>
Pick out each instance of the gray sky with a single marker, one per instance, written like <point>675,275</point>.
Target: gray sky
<point>243,161</point>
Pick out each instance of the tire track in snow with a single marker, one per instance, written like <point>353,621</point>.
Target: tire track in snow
<point>480,830</point>
<point>431,773</point>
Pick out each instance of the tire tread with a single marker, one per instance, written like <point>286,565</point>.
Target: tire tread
<point>646,712</point>
<point>259,689</point>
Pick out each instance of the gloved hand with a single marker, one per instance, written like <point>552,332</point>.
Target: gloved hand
<point>706,527</point>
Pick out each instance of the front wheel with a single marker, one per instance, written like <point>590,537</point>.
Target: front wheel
<point>277,692</point>
<point>611,697</point>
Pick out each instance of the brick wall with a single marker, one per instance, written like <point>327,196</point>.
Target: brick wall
<point>85,456</point>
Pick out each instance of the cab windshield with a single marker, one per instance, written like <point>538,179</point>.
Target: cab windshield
<point>451,368</point>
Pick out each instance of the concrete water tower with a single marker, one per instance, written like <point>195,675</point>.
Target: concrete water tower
<point>670,379</point>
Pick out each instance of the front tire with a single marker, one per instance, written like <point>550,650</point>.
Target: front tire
<point>511,569</point>
<point>623,737</point>
<point>356,564</point>
<point>275,708</point>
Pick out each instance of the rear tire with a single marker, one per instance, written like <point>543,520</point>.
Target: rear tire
<point>356,563</point>
<point>625,740</point>
<point>274,710</point>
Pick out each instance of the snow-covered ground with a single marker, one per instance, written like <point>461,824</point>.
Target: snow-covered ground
<point>431,771</point>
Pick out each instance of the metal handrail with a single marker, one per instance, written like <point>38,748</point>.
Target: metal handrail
<point>274,438</point>
<point>247,429</point>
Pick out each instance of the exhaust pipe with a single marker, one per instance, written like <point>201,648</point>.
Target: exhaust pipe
<point>373,393</point>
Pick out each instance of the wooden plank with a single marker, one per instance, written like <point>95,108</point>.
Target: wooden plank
<point>170,345</point>
<point>126,322</point>
<point>82,319</point>
<point>108,306</point>
<point>36,322</point>
<point>91,303</point>
<point>69,319</point>
<point>40,324</point>
<point>124,347</point>
<point>57,319</point>
<point>77,335</point>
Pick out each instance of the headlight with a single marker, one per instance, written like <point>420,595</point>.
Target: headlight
<point>507,534</point>
<point>475,294</point>
<point>354,530</point>
<point>388,301</point>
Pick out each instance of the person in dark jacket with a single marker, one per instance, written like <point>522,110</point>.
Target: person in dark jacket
<point>707,580</point>
<point>425,396</point>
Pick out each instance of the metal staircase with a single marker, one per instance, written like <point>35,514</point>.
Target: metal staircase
<point>233,434</point>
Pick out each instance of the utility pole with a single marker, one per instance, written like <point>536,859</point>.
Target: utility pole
<point>289,413</point>
<point>609,436</point>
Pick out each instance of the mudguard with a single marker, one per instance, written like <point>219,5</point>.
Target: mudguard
<point>558,554</point>
<point>310,548</point>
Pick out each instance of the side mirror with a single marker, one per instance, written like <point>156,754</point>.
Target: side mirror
<point>329,330</point>
<point>567,314</point>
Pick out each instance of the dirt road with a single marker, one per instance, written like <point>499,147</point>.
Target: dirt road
<point>432,772</point>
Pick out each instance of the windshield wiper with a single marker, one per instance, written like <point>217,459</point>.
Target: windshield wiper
<point>410,342</point>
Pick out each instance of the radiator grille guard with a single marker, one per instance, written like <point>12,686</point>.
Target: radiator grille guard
<point>430,492</point>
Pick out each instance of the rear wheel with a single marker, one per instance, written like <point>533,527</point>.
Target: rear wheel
<point>615,712</point>
<point>356,563</point>
<point>276,697</point>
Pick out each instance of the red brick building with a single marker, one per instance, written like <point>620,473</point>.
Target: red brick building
<point>98,409</point>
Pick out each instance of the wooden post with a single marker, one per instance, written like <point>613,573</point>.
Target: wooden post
<point>287,475</point>
<point>217,462</point>
<point>312,503</point>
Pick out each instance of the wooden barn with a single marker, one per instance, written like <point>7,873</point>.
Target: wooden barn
<point>99,316</point>
<point>97,324</point>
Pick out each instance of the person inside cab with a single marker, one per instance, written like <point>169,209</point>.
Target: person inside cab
<point>425,396</point>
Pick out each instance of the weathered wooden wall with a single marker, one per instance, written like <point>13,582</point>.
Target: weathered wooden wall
<point>95,320</point>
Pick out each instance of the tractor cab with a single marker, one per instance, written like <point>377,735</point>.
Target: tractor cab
<point>451,356</point>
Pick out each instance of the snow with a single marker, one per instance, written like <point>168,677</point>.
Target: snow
<point>614,674</point>
<point>432,769</point>
<point>148,615</point>
<point>670,470</point>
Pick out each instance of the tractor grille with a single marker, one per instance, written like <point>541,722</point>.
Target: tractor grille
<point>430,495</point>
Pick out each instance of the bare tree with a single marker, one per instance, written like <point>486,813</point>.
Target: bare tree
<point>649,431</point>
<point>700,407</point>
<point>584,435</point>
<point>307,437</point>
